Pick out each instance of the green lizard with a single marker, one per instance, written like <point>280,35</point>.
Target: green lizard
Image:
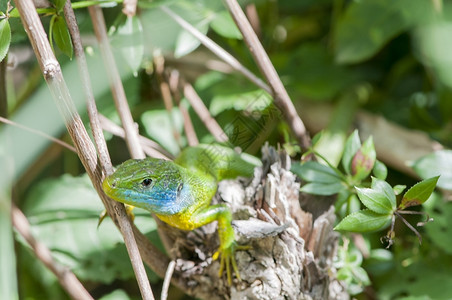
<point>180,192</point>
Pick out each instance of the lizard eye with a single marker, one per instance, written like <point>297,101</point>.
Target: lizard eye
<point>146,182</point>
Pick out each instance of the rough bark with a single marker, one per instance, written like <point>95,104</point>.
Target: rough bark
<point>292,250</point>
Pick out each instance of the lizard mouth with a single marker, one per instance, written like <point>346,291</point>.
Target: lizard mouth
<point>109,186</point>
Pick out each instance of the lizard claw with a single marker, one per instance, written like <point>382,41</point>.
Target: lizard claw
<point>129,211</point>
<point>228,259</point>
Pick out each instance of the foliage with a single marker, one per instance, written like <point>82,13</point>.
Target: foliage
<point>390,58</point>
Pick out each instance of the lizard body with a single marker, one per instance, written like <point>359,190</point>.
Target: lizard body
<point>179,193</point>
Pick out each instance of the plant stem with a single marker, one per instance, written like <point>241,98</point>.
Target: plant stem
<point>282,99</point>
<point>132,248</point>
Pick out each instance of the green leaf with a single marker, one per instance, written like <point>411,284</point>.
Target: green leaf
<point>364,221</point>
<point>375,200</point>
<point>59,4</point>
<point>61,36</point>
<point>161,126</point>
<point>419,193</point>
<point>325,189</point>
<point>380,171</point>
<point>252,101</point>
<point>313,171</point>
<point>436,163</point>
<point>364,160</point>
<point>384,187</point>
<point>5,38</point>
<point>317,137</point>
<point>439,231</point>
<point>366,26</point>
<point>128,38</point>
<point>186,42</point>
<point>224,25</point>
<point>398,189</point>
<point>352,146</point>
<point>64,213</point>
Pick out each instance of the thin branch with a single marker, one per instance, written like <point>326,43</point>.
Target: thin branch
<point>126,228</point>
<point>215,48</point>
<point>419,236</point>
<point>151,255</point>
<point>116,86</point>
<point>150,147</point>
<point>99,139</point>
<point>40,133</point>
<point>282,99</point>
<point>159,63</point>
<point>203,113</point>
<point>85,149</point>
<point>3,91</point>
<point>252,15</point>
<point>190,132</point>
<point>167,280</point>
<point>67,279</point>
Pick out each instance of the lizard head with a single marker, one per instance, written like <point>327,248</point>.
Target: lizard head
<point>152,184</point>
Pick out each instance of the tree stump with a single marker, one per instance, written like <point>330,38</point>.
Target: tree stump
<point>291,239</point>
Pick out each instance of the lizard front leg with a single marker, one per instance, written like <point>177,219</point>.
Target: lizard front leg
<point>228,245</point>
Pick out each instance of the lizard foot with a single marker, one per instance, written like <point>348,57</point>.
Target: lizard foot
<point>129,211</point>
<point>228,259</point>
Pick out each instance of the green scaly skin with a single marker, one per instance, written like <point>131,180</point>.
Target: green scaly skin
<point>179,193</point>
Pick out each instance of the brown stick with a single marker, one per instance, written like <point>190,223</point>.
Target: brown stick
<point>85,149</point>
<point>132,248</point>
<point>204,114</point>
<point>116,86</point>
<point>190,132</point>
<point>67,279</point>
<point>282,99</point>
<point>150,147</point>
<point>159,63</point>
<point>215,48</point>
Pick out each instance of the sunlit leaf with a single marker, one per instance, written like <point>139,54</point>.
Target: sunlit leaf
<point>186,42</point>
<point>224,25</point>
<point>128,38</point>
<point>380,171</point>
<point>313,171</point>
<point>161,127</point>
<point>5,38</point>
<point>419,193</point>
<point>436,163</point>
<point>398,189</point>
<point>384,187</point>
<point>325,189</point>
<point>367,26</point>
<point>364,221</point>
<point>375,200</point>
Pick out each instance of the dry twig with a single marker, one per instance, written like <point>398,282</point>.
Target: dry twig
<point>203,113</point>
<point>126,228</point>
<point>67,279</point>
<point>215,48</point>
<point>85,149</point>
<point>190,132</point>
<point>116,86</point>
<point>279,93</point>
